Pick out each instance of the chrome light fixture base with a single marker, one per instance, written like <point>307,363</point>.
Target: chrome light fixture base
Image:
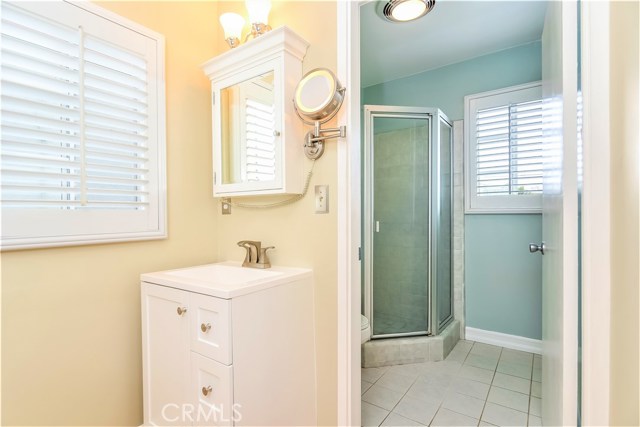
<point>406,10</point>
<point>233,42</point>
<point>258,29</point>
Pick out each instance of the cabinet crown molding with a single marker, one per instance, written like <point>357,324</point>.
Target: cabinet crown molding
<point>257,50</point>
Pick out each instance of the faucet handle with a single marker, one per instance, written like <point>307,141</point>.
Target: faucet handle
<point>264,258</point>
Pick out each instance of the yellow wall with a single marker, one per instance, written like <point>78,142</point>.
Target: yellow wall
<point>71,351</point>
<point>301,237</point>
<point>625,330</point>
<point>71,346</point>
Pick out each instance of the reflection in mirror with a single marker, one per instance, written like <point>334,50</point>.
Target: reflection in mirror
<point>248,131</point>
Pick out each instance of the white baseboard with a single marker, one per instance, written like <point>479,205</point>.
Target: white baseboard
<point>513,342</point>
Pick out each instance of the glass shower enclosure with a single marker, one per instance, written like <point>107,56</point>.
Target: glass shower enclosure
<point>407,224</point>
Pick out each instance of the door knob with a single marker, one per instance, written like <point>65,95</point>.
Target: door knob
<point>205,327</point>
<point>533,248</point>
<point>206,390</point>
<point>181,310</point>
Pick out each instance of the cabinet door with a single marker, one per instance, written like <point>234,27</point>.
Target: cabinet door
<point>165,352</point>
<point>210,327</point>
<point>212,391</point>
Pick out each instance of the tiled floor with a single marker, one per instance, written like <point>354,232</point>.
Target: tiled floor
<point>478,384</point>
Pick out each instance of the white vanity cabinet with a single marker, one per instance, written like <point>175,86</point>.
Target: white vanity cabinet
<point>227,345</point>
<point>257,137</point>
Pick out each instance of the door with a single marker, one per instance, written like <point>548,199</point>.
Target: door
<point>560,216</point>
<point>165,354</point>
<point>398,189</point>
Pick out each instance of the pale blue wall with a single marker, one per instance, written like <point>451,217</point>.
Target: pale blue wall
<point>503,281</point>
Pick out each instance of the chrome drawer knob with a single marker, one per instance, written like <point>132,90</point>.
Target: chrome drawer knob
<point>206,390</point>
<point>205,327</point>
<point>181,310</point>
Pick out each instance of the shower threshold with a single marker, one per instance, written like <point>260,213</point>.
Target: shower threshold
<point>400,351</point>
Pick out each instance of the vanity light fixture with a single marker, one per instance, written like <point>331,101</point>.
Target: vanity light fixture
<point>317,99</point>
<point>258,16</point>
<point>407,10</point>
<point>232,24</point>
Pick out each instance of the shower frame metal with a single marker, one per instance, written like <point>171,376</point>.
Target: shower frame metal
<point>434,117</point>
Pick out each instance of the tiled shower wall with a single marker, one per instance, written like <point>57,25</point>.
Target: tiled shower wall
<point>458,224</point>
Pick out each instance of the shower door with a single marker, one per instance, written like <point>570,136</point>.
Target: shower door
<point>403,207</point>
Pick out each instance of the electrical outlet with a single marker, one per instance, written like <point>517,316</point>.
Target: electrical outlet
<point>226,206</point>
<point>322,198</point>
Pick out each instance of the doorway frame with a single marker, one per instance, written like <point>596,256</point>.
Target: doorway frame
<point>596,276</point>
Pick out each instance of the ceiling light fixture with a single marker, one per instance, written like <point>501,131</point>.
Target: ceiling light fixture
<point>407,10</point>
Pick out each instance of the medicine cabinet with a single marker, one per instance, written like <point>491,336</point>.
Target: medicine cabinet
<point>257,138</point>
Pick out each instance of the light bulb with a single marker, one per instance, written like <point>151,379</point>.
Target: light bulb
<point>408,10</point>
<point>258,11</point>
<point>232,23</point>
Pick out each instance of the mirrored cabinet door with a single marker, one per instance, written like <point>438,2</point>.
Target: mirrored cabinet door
<point>257,137</point>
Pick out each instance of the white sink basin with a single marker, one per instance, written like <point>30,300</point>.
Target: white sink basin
<point>226,279</point>
<point>225,274</point>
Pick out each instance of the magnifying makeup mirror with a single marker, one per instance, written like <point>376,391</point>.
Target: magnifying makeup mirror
<point>318,98</point>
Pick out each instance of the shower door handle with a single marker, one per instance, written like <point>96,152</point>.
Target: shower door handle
<point>377,226</point>
<point>533,248</point>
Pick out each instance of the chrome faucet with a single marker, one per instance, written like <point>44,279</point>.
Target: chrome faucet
<point>256,256</point>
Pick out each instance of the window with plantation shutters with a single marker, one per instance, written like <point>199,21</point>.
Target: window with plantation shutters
<point>504,150</point>
<point>82,151</point>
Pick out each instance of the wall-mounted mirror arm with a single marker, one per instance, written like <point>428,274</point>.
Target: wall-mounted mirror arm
<point>314,140</point>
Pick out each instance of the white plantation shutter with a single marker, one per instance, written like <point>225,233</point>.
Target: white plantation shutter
<point>504,150</point>
<point>509,149</point>
<point>82,114</point>
<point>260,159</point>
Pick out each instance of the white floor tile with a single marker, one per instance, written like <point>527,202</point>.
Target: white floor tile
<point>411,369</point>
<point>484,423</point>
<point>427,391</point>
<point>535,407</point>
<point>535,421</point>
<point>447,366</point>
<point>445,417</point>
<point>481,361</point>
<point>522,370</point>
<point>510,399</point>
<point>516,356</point>
<point>396,381</point>
<point>364,386</point>
<point>537,374</point>
<point>503,416</point>
<point>383,397</point>
<point>438,377</point>
<point>470,388</point>
<point>372,375</point>
<point>536,389</point>
<point>394,419</point>
<point>486,349</point>
<point>372,415</point>
<point>476,374</point>
<point>463,404</point>
<point>521,385</point>
<point>416,409</point>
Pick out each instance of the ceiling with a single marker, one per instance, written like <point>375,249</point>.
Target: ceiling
<point>452,32</point>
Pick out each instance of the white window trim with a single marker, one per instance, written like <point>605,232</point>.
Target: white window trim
<point>521,204</point>
<point>159,231</point>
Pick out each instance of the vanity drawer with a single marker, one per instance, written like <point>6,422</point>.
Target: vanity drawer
<point>212,389</point>
<point>210,327</point>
